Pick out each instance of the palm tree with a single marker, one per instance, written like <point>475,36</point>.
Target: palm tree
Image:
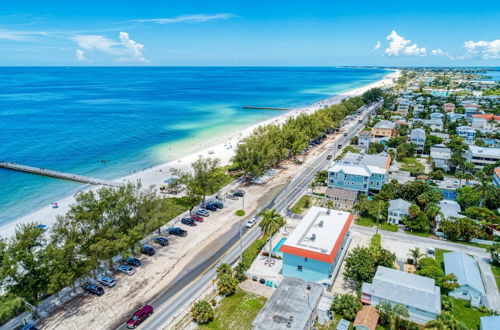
<point>392,313</point>
<point>483,188</point>
<point>468,176</point>
<point>271,222</point>
<point>459,175</point>
<point>313,185</point>
<point>415,254</point>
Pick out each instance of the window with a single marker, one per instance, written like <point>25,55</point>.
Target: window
<point>299,268</point>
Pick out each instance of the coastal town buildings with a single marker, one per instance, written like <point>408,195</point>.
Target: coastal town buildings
<point>417,136</point>
<point>449,107</point>
<point>418,294</point>
<point>481,156</point>
<point>342,199</point>
<point>440,155</point>
<point>366,319</point>
<point>449,208</point>
<point>360,172</point>
<point>398,209</point>
<point>485,122</point>
<point>490,322</point>
<point>364,138</point>
<point>384,128</point>
<point>465,268</point>
<point>314,248</point>
<point>496,177</point>
<point>467,133</point>
<point>292,306</point>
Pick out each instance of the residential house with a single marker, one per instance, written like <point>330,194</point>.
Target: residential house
<point>481,156</point>
<point>449,209</point>
<point>398,209</point>
<point>434,108</point>
<point>343,199</point>
<point>440,154</point>
<point>366,319</point>
<point>364,138</point>
<point>453,117</point>
<point>496,177</point>
<point>417,136</point>
<point>417,293</point>
<point>434,124</point>
<point>469,112</point>
<point>292,306</point>
<point>359,172</point>
<point>467,133</point>
<point>315,247</point>
<point>404,106</point>
<point>384,128</point>
<point>420,99</point>
<point>490,322</point>
<point>487,122</point>
<point>418,108</point>
<point>436,115</point>
<point>449,107</point>
<point>468,276</point>
<point>444,136</point>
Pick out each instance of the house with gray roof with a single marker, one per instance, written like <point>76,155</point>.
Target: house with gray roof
<point>292,306</point>
<point>449,209</point>
<point>418,294</point>
<point>417,136</point>
<point>364,138</point>
<point>490,322</point>
<point>342,199</point>
<point>467,272</point>
<point>398,209</point>
<point>440,154</point>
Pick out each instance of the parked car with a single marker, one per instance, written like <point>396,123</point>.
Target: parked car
<point>202,213</point>
<point>163,241</point>
<point>232,196</point>
<point>106,280</point>
<point>211,207</point>
<point>188,221</point>
<point>148,250</point>
<point>94,289</point>
<point>126,269</point>
<point>133,261</point>
<point>196,218</point>
<point>251,222</point>
<point>345,134</point>
<point>329,157</point>
<point>177,231</point>
<point>239,193</point>
<point>218,204</point>
<point>139,316</point>
<point>29,327</point>
<point>339,146</point>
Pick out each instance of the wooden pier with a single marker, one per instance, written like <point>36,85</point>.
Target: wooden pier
<point>265,108</point>
<point>57,174</point>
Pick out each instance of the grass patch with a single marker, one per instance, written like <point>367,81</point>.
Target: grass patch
<point>465,314</point>
<point>173,206</point>
<point>496,273</point>
<point>236,312</point>
<point>304,203</point>
<point>440,257</point>
<point>370,222</point>
<point>411,165</point>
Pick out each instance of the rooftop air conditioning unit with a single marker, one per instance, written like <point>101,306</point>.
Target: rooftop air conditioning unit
<point>313,237</point>
<point>320,224</point>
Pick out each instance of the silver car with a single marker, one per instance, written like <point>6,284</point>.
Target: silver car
<point>126,269</point>
<point>251,222</point>
<point>106,280</point>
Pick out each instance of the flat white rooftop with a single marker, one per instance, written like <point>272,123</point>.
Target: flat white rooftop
<point>319,234</point>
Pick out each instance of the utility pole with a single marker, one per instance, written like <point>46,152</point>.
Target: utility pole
<point>378,216</point>
<point>241,229</point>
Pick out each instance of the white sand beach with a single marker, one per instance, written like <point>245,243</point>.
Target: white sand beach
<point>157,175</point>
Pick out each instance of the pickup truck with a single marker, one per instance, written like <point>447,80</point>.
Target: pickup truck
<point>177,231</point>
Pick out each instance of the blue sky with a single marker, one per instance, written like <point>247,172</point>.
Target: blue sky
<point>188,32</point>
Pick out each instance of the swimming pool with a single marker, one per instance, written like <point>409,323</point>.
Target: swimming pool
<point>278,246</point>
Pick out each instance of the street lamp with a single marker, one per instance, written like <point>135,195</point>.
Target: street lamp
<point>241,229</point>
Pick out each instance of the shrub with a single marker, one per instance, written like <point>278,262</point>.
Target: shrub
<point>240,213</point>
<point>227,285</point>
<point>239,273</point>
<point>213,302</point>
<point>446,303</point>
<point>346,305</point>
<point>202,312</point>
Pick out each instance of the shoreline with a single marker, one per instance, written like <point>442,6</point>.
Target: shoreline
<point>158,174</point>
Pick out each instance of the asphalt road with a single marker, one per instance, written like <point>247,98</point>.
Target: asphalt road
<point>192,280</point>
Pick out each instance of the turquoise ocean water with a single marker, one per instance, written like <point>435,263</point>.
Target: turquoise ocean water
<point>72,118</point>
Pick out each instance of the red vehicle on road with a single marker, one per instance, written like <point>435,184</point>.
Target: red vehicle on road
<point>140,316</point>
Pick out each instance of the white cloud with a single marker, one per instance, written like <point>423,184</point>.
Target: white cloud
<point>483,49</point>
<point>399,46</point>
<point>80,55</point>
<point>20,35</point>
<point>126,49</point>
<point>198,18</point>
<point>377,45</point>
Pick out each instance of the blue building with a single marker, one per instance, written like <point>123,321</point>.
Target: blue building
<point>359,172</point>
<point>496,177</point>
<point>465,269</point>
<point>315,247</point>
<point>467,133</point>
<point>417,136</point>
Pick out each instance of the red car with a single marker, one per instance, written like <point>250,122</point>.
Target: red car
<point>196,218</point>
<point>140,316</point>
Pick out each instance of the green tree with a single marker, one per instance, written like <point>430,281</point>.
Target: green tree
<point>468,196</point>
<point>495,253</point>
<point>224,269</point>
<point>346,305</point>
<point>271,222</point>
<point>445,321</point>
<point>392,314</point>
<point>413,210</point>
<point>361,263</point>
<point>202,312</point>
<point>460,228</point>
<point>415,254</point>
<point>227,285</point>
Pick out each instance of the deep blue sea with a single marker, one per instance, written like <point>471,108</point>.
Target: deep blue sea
<point>71,118</point>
